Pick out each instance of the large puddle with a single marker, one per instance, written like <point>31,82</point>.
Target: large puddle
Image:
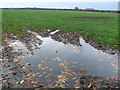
<point>56,59</point>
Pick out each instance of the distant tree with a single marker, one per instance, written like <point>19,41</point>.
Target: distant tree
<point>90,9</point>
<point>76,8</point>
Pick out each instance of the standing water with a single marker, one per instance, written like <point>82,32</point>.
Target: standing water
<point>57,59</point>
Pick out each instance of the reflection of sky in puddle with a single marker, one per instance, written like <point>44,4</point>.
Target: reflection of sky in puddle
<point>56,58</point>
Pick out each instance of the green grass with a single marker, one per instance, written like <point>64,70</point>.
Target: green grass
<point>0,24</point>
<point>104,30</point>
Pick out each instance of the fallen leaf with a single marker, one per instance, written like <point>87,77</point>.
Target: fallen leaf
<point>40,86</point>
<point>16,61</point>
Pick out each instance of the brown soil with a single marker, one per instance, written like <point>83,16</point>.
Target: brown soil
<point>59,36</point>
<point>92,17</point>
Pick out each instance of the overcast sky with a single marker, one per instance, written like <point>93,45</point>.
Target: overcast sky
<point>59,0</point>
<point>58,4</point>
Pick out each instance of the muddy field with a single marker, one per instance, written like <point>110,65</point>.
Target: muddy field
<point>56,59</point>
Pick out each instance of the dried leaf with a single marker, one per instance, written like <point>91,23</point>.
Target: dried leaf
<point>40,86</point>
<point>16,61</point>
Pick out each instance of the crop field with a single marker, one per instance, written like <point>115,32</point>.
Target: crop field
<point>104,28</point>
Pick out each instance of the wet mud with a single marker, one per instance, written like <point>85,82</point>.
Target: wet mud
<point>55,59</point>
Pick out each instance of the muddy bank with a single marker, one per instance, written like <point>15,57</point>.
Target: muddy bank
<point>54,59</point>
<point>59,35</point>
<point>13,73</point>
<point>100,46</point>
